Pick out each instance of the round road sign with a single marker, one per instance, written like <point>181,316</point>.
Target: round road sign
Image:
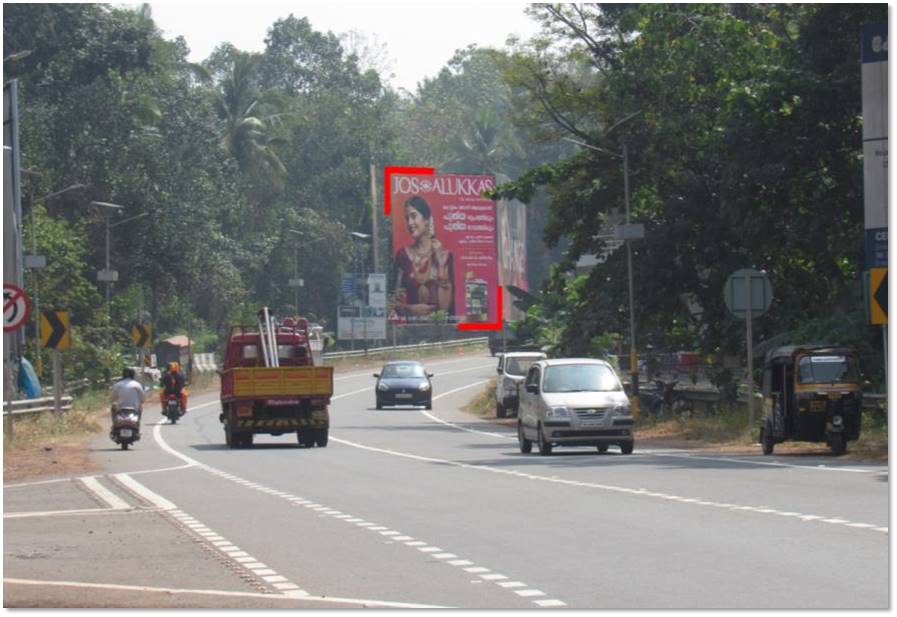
<point>16,308</point>
<point>746,289</point>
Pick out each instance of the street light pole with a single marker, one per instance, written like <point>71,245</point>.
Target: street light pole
<point>633,354</point>
<point>35,266</point>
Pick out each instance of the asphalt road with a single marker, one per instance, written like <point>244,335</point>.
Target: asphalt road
<point>406,508</point>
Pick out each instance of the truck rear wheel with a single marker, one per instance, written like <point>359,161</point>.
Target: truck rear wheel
<point>305,438</point>
<point>321,437</point>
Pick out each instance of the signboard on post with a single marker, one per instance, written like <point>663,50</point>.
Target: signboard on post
<point>54,330</point>
<point>875,142</point>
<point>361,313</point>
<point>16,307</point>
<point>142,334</point>
<point>878,296</point>
<point>748,294</point>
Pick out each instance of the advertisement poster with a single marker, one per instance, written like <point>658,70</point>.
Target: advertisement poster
<point>444,248</point>
<point>511,253</point>
<point>361,314</point>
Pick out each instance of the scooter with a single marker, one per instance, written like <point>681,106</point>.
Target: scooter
<point>173,409</point>
<point>125,426</point>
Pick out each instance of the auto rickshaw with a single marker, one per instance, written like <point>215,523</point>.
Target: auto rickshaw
<point>811,393</point>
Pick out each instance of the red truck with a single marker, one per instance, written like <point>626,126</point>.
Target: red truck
<point>269,384</point>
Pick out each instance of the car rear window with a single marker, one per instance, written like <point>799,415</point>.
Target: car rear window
<point>402,370</point>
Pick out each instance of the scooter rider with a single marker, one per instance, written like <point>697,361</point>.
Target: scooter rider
<point>173,383</point>
<point>127,393</point>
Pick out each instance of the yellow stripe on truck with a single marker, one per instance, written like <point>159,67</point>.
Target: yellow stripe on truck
<point>297,381</point>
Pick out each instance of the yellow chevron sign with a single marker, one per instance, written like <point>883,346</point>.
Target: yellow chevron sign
<point>54,330</point>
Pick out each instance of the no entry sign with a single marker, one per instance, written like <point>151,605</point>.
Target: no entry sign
<point>16,308</point>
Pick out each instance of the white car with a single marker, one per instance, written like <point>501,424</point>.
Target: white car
<point>512,368</point>
<point>574,402</point>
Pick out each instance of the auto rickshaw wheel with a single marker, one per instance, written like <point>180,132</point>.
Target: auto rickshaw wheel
<point>766,438</point>
<point>837,443</point>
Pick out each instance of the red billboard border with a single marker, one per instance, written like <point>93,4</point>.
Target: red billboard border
<point>496,325</point>
<point>387,210</point>
<point>387,186</point>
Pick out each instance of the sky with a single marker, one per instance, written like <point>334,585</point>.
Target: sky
<point>419,37</point>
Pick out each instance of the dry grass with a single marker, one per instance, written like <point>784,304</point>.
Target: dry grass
<point>483,404</point>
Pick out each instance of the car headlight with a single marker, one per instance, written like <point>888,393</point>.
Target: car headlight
<point>382,387</point>
<point>621,410</point>
<point>558,412</point>
<point>424,387</point>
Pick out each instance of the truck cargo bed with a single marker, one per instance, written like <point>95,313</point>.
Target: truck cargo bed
<point>284,381</point>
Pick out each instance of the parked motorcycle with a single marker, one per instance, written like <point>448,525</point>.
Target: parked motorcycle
<point>665,402</point>
<point>125,426</point>
<point>173,409</point>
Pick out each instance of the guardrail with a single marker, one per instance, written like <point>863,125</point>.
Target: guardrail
<point>335,355</point>
<point>36,405</point>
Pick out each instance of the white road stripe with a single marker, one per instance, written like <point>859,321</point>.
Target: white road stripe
<point>303,596</point>
<point>142,491</point>
<point>105,495</point>
<point>549,603</point>
<point>529,593</point>
<point>556,480</point>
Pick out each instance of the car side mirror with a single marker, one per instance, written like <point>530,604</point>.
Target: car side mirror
<point>498,370</point>
<point>532,388</point>
<point>429,374</point>
<point>377,375</point>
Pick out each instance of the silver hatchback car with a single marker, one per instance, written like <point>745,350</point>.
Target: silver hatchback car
<point>574,402</point>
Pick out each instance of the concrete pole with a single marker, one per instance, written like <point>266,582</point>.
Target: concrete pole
<point>7,387</point>
<point>57,382</point>
<point>750,355</point>
<point>633,355</point>
<point>108,282</point>
<point>374,220</point>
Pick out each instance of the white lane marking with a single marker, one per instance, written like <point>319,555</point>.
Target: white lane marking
<point>104,494</point>
<point>671,452</point>
<point>444,556</point>
<point>512,584</point>
<point>225,547</point>
<point>215,592</point>
<point>23,484</point>
<point>461,562</point>
<point>493,577</point>
<point>187,521</point>
<point>729,459</point>
<point>549,603</point>
<point>65,512</point>
<point>528,593</point>
<point>188,465</point>
<point>141,491</point>
<point>556,480</point>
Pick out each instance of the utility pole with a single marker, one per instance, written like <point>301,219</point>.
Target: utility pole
<point>374,220</point>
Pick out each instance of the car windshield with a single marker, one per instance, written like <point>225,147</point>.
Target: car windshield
<point>828,369</point>
<point>580,378</point>
<point>518,366</point>
<point>400,371</point>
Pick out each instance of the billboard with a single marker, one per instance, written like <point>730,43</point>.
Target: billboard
<point>361,313</point>
<point>444,248</point>
<point>875,142</point>
<point>511,253</point>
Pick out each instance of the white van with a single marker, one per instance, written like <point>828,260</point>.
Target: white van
<point>512,368</point>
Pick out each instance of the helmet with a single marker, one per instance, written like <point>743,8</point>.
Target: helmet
<point>173,367</point>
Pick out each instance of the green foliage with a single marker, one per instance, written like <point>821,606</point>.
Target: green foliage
<point>744,151</point>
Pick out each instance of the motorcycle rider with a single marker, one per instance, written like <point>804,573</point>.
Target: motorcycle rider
<point>173,382</point>
<point>127,392</point>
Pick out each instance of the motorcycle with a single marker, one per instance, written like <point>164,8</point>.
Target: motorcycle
<point>664,402</point>
<point>173,409</point>
<point>125,426</point>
